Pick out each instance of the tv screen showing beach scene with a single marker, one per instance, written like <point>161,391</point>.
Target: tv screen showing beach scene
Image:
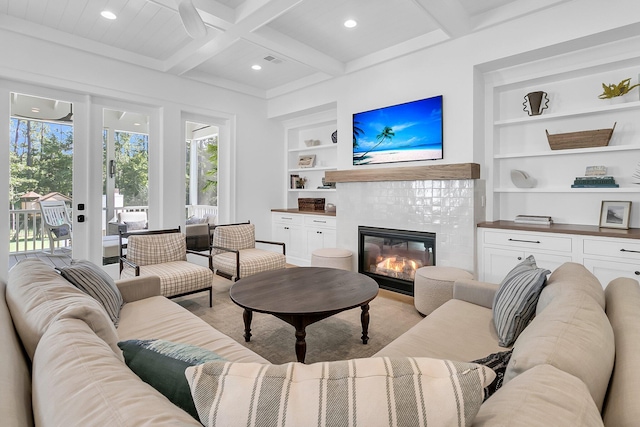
<point>399,133</point>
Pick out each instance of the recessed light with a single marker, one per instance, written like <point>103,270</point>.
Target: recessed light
<point>108,15</point>
<point>350,23</point>
<point>136,124</point>
<point>35,110</point>
<point>256,67</point>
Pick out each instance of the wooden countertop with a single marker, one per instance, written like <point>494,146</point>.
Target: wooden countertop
<point>590,230</point>
<point>298,211</point>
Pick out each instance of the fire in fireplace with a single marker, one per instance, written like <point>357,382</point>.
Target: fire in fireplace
<point>391,257</point>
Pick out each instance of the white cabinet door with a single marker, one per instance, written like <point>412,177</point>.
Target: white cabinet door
<point>292,236</point>
<point>498,262</point>
<point>318,238</point>
<point>606,271</point>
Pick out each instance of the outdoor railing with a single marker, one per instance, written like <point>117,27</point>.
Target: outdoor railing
<point>26,232</point>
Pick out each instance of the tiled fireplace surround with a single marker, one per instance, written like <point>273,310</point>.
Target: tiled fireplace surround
<point>450,208</point>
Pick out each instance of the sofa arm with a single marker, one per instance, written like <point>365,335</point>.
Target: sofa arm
<point>137,288</point>
<point>475,292</point>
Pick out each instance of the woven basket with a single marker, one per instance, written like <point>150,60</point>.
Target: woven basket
<point>583,139</point>
<point>311,204</point>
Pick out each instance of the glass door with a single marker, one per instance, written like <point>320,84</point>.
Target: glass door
<point>201,173</point>
<point>125,199</point>
<point>41,147</point>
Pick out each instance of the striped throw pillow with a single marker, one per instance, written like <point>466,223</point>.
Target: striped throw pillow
<point>95,282</point>
<point>515,302</point>
<point>361,392</point>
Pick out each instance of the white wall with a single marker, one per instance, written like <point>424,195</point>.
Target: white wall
<point>255,142</point>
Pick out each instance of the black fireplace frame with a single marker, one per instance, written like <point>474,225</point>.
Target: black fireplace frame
<point>386,282</point>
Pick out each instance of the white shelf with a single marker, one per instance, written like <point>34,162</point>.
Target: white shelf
<point>312,148</point>
<point>568,151</point>
<point>568,190</point>
<point>574,113</point>
<point>319,168</point>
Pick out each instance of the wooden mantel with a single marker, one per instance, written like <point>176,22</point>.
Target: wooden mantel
<point>412,173</point>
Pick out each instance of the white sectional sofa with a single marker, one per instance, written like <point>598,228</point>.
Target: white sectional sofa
<point>575,364</point>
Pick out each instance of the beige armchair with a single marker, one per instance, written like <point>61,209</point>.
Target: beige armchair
<point>234,253</point>
<point>163,253</point>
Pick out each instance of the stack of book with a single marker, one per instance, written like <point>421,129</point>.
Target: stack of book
<point>594,182</point>
<point>533,219</point>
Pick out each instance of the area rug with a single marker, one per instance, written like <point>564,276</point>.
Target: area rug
<point>334,338</point>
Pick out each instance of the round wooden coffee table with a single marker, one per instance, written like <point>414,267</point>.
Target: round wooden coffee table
<point>302,296</point>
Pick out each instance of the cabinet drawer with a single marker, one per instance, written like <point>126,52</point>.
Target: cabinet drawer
<point>287,218</point>
<point>529,241</point>
<point>612,248</point>
<point>320,221</point>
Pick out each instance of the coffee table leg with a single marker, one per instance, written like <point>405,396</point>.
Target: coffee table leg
<point>301,343</point>
<point>247,315</point>
<point>364,318</point>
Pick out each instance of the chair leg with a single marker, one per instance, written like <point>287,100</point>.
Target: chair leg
<point>210,297</point>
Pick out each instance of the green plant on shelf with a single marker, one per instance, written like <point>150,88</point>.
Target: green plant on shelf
<point>613,90</point>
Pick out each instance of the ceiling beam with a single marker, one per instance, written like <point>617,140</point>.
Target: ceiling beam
<point>252,18</point>
<point>450,15</point>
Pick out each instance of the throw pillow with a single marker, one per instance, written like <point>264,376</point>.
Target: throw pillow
<point>161,364</point>
<point>498,362</point>
<point>364,392</point>
<point>196,220</point>
<point>135,225</point>
<point>515,301</point>
<point>62,231</point>
<point>95,282</point>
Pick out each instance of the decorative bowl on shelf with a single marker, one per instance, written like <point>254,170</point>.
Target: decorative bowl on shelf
<point>583,139</point>
<point>311,142</point>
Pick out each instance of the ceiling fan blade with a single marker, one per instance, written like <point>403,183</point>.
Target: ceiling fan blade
<point>191,19</point>
<point>67,118</point>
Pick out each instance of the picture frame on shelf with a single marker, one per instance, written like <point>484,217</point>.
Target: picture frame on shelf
<point>615,214</point>
<point>307,161</point>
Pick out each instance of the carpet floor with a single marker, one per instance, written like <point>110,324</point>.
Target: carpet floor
<point>334,338</point>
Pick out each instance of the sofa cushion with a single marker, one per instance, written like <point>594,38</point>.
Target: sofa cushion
<point>252,261</point>
<point>574,335</point>
<point>543,396</point>
<point>456,330</point>
<point>161,364</point>
<point>37,296</point>
<point>571,277</point>
<point>176,277</point>
<point>149,249</point>
<point>95,282</point>
<point>400,391</point>
<point>78,381</point>
<point>135,225</point>
<point>158,317</point>
<point>623,299</point>
<point>498,363</point>
<point>15,375</point>
<point>515,302</point>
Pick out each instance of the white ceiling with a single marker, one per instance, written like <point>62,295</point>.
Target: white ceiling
<point>306,37</point>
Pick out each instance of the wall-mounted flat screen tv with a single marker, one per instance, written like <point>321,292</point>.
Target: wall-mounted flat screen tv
<point>399,133</point>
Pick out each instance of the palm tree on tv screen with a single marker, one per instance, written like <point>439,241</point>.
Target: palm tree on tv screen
<point>357,132</point>
<point>386,134</point>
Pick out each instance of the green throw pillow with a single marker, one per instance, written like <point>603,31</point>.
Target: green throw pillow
<point>162,364</point>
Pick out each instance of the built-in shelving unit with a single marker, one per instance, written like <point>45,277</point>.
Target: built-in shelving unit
<point>515,140</point>
<point>316,127</point>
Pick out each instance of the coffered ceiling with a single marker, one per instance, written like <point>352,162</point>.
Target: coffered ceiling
<point>296,42</point>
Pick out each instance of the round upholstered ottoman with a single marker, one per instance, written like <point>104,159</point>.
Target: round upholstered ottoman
<point>433,286</point>
<point>331,257</point>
